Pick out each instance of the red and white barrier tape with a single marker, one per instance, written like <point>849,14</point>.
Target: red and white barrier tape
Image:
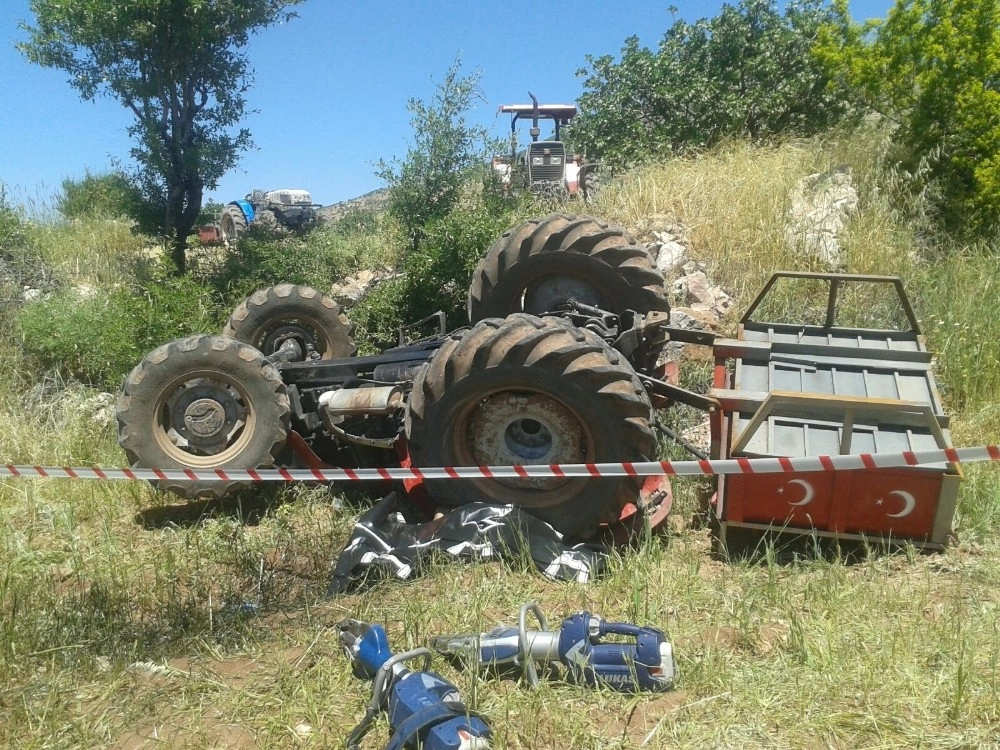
<point>644,469</point>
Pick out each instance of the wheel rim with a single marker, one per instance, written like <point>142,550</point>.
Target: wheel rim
<point>551,292</point>
<point>203,419</point>
<point>521,427</point>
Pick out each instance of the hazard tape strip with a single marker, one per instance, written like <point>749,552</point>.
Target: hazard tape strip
<point>642,469</point>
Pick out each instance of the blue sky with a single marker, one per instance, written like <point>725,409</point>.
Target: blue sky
<point>332,85</point>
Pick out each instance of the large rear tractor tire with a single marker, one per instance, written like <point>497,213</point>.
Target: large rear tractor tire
<point>526,390</point>
<point>590,183</point>
<point>541,264</point>
<point>270,316</point>
<point>203,402</point>
<point>232,224</point>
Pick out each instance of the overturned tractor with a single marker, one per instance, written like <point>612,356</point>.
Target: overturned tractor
<point>568,317</point>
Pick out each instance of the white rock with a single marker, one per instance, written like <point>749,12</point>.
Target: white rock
<point>820,207</point>
<point>702,296</point>
<point>353,288</point>
<point>670,256</point>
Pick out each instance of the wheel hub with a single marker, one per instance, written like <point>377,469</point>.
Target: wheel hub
<point>275,337</point>
<point>551,292</point>
<point>206,416</point>
<point>518,428</point>
<point>528,438</point>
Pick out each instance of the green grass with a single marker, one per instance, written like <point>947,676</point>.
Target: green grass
<point>129,619</point>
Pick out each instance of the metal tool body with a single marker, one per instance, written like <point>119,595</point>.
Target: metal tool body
<point>635,659</point>
<point>424,709</point>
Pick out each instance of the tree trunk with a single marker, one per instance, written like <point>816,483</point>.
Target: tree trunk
<point>183,207</point>
<point>178,253</point>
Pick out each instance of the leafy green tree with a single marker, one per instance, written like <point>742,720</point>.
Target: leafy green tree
<point>179,67</point>
<point>933,68</point>
<point>451,205</point>
<point>447,153</point>
<point>210,212</point>
<point>747,72</point>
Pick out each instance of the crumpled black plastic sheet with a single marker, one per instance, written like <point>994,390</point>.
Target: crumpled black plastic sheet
<point>382,542</point>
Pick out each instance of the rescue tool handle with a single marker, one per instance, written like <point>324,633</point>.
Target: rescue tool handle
<point>621,628</point>
<point>384,673</point>
<point>527,663</point>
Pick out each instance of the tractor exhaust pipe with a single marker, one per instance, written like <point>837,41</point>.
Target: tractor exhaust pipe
<point>535,131</point>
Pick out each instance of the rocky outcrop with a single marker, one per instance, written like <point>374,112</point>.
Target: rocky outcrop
<point>354,288</point>
<point>821,205</point>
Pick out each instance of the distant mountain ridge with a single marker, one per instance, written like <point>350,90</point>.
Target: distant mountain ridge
<point>376,200</point>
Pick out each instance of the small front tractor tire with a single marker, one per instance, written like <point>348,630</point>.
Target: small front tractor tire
<point>526,390</point>
<point>541,264</point>
<point>203,402</point>
<point>270,316</point>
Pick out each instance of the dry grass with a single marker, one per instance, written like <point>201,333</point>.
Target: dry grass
<point>130,620</point>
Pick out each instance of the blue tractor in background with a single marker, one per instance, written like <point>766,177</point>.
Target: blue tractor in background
<point>281,210</point>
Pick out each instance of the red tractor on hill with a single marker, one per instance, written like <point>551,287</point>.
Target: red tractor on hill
<point>545,167</point>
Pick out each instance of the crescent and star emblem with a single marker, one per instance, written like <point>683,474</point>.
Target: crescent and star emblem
<point>909,503</point>
<point>808,488</point>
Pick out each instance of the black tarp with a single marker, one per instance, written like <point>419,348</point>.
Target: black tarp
<point>383,541</point>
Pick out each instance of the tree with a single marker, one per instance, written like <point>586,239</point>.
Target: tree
<point>933,69</point>
<point>179,66</point>
<point>747,72</point>
<point>427,184</point>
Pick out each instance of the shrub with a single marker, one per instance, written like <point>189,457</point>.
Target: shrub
<point>746,73</point>
<point>106,196</point>
<point>97,337</point>
<point>932,69</point>
<point>20,261</point>
<point>328,253</point>
<point>447,152</point>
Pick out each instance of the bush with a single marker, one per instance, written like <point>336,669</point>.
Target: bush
<point>447,155</point>
<point>932,69</point>
<point>107,196</point>
<point>98,338</point>
<point>317,259</point>
<point>20,262</point>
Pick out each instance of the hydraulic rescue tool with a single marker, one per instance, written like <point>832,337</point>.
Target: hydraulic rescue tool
<point>634,658</point>
<point>424,709</point>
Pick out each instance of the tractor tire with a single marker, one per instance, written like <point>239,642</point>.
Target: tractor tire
<point>526,390</point>
<point>203,402</point>
<point>590,183</point>
<point>270,316</point>
<point>267,223</point>
<point>232,224</point>
<point>539,265</point>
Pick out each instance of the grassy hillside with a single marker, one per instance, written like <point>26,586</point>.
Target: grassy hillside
<point>130,619</point>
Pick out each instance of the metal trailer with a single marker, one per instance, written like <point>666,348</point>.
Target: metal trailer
<point>822,388</point>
